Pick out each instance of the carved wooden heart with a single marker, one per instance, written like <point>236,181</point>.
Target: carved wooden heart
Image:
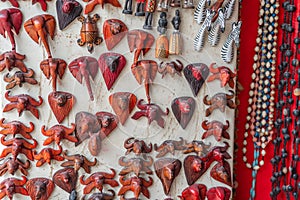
<point>196,75</point>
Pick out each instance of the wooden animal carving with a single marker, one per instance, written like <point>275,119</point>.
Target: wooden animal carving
<point>22,102</point>
<point>11,186</point>
<point>89,32</point>
<point>215,128</point>
<point>61,103</point>
<point>137,185</point>
<point>67,11</point>
<point>19,78</point>
<point>114,31</point>
<point>169,146</point>
<point>78,161</point>
<point>219,101</point>
<point>84,67</point>
<point>224,74</point>
<point>57,133</point>
<point>183,109</point>
<point>171,68</point>
<point>167,169</point>
<point>12,165</point>
<point>39,188</point>
<point>16,127</point>
<point>92,3</point>
<point>97,180</point>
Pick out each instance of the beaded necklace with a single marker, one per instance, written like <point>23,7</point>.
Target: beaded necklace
<point>260,116</point>
<point>285,179</point>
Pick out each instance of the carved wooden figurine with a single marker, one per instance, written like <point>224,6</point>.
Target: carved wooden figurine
<point>84,67</point>
<point>196,75</point>
<point>11,186</point>
<point>57,133</point>
<point>78,161</point>
<point>136,146</point>
<point>16,127</point>
<point>22,102</point>
<point>67,11</point>
<point>223,73</point>
<point>38,27</point>
<point>66,179</point>
<point>46,155</point>
<point>176,42</point>
<point>127,7</point>
<point>183,109</point>
<point>198,147</point>
<point>171,68</point>
<point>92,3</point>
<point>61,103</point>
<point>19,78</point>
<point>163,5</point>
<point>162,42</point>
<point>152,111</point>
<point>137,185</point>
<point>145,71</point>
<point>141,41</point>
<point>167,169</point>
<point>12,165</point>
<point>215,128</point>
<point>89,32</point>
<point>10,23</point>
<point>122,103</point>
<point>17,146</point>
<point>39,188</point>
<point>135,165</point>
<point>97,180</point>
<point>111,65</point>
<point>150,9</point>
<point>219,101</point>
<point>169,146</point>
<point>114,30</point>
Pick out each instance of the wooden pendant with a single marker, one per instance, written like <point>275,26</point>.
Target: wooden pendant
<point>53,68</point>
<point>152,111</point>
<point>196,75</point>
<point>167,169</point>
<point>38,27</point>
<point>141,41</point>
<point>221,172</point>
<point>122,103</point>
<point>66,179</point>
<point>67,11</point>
<point>114,30</point>
<point>84,67</point>
<point>61,103</point>
<point>111,65</point>
<point>183,109</point>
<point>39,188</point>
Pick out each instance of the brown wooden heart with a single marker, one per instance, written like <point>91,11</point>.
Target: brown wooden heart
<point>221,172</point>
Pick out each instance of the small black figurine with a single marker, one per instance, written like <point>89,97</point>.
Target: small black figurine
<point>150,8</point>
<point>175,46</point>
<point>128,7</point>
<point>140,8</point>
<point>162,43</point>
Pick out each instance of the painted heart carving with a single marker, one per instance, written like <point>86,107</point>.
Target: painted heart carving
<point>221,172</point>
<point>183,109</point>
<point>114,30</point>
<point>122,103</point>
<point>67,11</point>
<point>196,75</point>
<point>61,103</point>
<point>111,65</point>
<point>194,168</point>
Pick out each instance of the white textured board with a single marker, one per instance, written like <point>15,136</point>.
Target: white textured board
<point>163,91</point>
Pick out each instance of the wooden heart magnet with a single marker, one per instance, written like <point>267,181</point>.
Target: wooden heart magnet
<point>196,75</point>
<point>114,31</point>
<point>221,172</point>
<point>111,65</point>
<point>67,11</point>
<point>183,109</point>
<point>194,168</point>
<point>122,103</point>
<point>61,103</point>
<point>167,169</point>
